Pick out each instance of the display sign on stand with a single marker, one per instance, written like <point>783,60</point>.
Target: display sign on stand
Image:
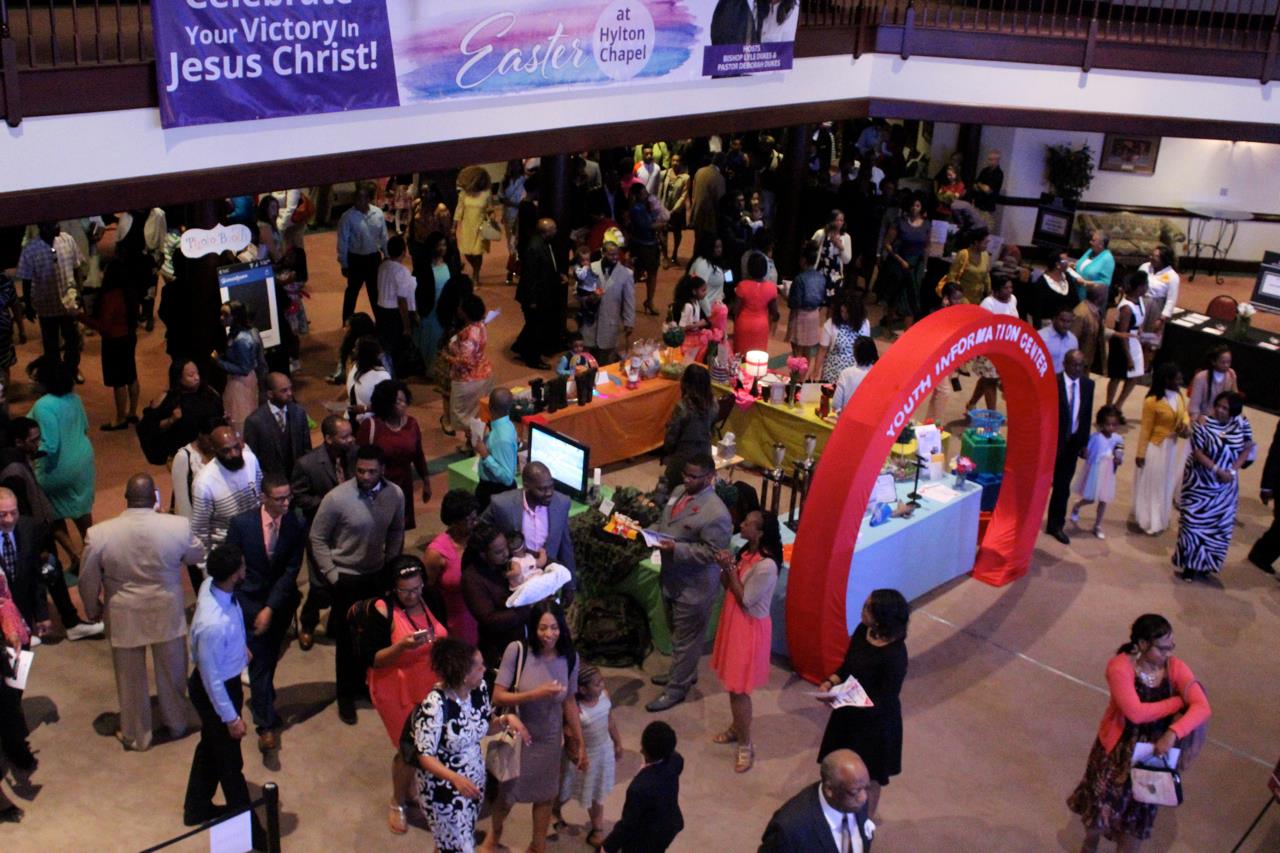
<point>254,284</point>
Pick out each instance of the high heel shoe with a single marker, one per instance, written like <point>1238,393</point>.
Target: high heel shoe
<point>746,758</point>
<point>650,310</point>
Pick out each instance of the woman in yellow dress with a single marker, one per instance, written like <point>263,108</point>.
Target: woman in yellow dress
<point>475,208</point>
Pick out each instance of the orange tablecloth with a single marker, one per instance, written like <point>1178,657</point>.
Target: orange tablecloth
<point>618,423</point>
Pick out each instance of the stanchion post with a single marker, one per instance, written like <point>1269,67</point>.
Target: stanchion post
<point>271,793</point>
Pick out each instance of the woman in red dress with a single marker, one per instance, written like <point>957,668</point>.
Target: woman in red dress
<point>400,673</point>
<point>756,307</point>
<point>459,511</point>
<point>745,634</point>
<point>392,429</point>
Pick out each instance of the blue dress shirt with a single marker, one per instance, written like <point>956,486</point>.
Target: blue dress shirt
<point>218,645</point>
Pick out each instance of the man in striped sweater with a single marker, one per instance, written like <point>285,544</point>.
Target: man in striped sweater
<point>224,488</point>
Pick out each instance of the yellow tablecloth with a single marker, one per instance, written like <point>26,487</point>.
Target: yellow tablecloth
<point>761,424</point>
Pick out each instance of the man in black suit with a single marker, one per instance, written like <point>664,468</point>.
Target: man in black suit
<point>277,431</point>
<point>314,474</point>
<point>827,817</point>
<point>1265,551</point>
<point>272,539</point>
<point>651,817</point>
<point>539,294</point>
<point>541,515</point>
<point>1075,414</point>
<point>26,561</point>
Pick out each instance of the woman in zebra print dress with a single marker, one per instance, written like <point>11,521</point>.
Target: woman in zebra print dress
<point>1211,487</point>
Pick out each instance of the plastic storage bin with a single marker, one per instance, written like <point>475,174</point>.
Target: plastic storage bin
<point>986,450</point>
<point>990,484</point>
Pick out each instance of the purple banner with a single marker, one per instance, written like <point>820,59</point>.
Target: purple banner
<point>722,60</point>
<point>235,60</point>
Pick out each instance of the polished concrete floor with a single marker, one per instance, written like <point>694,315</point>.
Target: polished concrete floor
<point>1001,702</point>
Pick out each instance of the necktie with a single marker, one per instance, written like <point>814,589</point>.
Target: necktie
<point>339,469</point>
<point>280,419</point>
<point>273,534</point>
<point>846,837</point>
<point>9,554</point>
<point>1071,405</point>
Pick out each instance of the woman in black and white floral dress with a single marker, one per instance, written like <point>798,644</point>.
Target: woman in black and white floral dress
<point>446,729</point>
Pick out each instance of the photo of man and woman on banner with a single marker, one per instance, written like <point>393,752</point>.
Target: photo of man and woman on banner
<point>227,62</point>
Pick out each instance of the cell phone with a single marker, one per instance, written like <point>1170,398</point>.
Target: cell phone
<point>728,277</point>
<point>424,634</point>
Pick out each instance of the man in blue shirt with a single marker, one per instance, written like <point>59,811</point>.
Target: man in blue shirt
<point>497,452</point>
<point>218,646</point>
<point>362,238</point>
<point>1058,337</point>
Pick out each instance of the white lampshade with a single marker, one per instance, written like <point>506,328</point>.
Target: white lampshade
<point>756,363</point>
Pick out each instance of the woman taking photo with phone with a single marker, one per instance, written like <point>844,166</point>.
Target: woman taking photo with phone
<point>401,630</point>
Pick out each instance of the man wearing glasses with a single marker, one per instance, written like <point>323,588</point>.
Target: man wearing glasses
<point>272,539</point>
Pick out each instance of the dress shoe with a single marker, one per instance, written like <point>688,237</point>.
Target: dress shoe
<point>11,814</point>
<point>306,640</point>
<point>536,363</point>
<point>1188,575</point>
<point>1060,536</point>
<point>268,741</point>
<point>85,630</point>
<point>1266,567</point>
<point>661,680</point>
<point>347,711</point>
<point>663,702</point>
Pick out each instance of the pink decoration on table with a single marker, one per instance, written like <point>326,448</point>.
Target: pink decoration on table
<point>963,465</point>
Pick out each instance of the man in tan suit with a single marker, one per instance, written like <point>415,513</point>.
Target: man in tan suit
<point>136,561</point>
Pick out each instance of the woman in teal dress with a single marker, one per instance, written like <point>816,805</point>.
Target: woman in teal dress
<point>1096,266</point>
<point>430,285</point>
<point>66,471</point>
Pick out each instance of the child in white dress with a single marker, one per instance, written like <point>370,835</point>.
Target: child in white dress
<point>1097,480</point>
<point>604,750</point>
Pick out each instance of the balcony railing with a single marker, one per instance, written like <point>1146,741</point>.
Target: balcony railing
<point>69,56</point>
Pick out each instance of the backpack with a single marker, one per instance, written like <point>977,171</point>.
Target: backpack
<point>612,630</point>
<point>156,446</point>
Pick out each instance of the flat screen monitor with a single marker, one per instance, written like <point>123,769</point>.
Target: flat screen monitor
<point>567,459</point>
<point>1266,290</point>
<point>1053,227</point>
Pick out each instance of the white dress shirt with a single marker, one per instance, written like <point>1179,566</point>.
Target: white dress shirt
<point>835,820</point>
<point>1073,400</point>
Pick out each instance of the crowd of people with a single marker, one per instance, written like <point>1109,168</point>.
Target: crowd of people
<point>435,642</point>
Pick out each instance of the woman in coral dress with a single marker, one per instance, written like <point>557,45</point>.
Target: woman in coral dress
<point>756,311</point>
<point>459,511</point>
<point>400,673</point>
<point>743,640</point>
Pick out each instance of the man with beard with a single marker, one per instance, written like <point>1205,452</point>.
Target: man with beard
<point>226,487</point>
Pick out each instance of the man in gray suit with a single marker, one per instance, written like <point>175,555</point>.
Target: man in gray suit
<point>615,314</point>
<point>136,563</point>
<point>699,526</point>
<point>277,431</point>
<point>541,515</point>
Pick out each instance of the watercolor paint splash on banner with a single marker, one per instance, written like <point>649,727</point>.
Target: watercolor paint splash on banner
<point>428,39</point>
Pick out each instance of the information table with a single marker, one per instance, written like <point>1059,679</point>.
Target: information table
<point>912,555</point>
<point>619,423</point>
<point>1188,336</point>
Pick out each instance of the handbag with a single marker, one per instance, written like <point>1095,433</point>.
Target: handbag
<point>304,211</point>
<point>1157,786</point>
<point>502,755</point>
<point>489,230</point>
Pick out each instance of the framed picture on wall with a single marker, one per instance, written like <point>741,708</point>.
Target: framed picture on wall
<point>1123,152</point>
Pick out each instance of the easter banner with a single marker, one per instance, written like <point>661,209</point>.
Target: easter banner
<point>237,60</point>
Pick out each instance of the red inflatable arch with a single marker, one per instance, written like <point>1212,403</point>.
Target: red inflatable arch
<point>901,381</point>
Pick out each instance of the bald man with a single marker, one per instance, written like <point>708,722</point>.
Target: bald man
<point>133,566</point>
<point>497,451</point>
<point>541,515</point>
<point>277,431</point>
<point>829,816</point>
<point>541,293</point>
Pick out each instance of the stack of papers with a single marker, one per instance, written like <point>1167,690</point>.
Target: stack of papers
<point>20,665</point>
<point>940,493</point>
<point>849,694</point>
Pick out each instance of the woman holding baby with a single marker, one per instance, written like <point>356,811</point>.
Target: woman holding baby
<point>486,588</point>
<point>877,658</point>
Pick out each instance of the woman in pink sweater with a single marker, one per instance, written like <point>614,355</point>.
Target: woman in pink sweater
<point>1155,699</point>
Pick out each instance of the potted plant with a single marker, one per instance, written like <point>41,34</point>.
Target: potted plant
<point>1069,171</point>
